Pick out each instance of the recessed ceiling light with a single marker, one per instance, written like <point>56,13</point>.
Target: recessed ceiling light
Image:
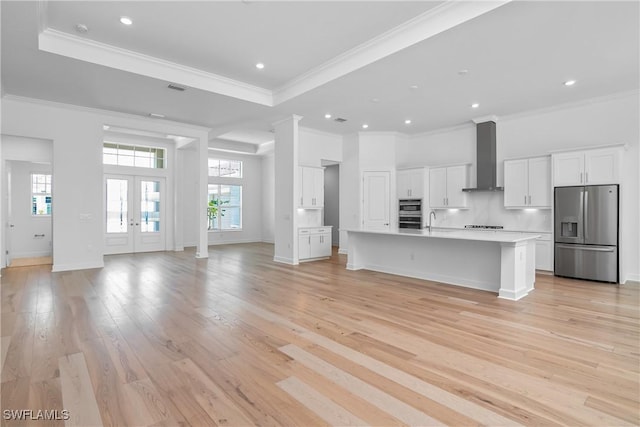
<point>463,72</point>
<point>259,65</point>
<point>407,122</point>
<point>375,99</point>
<point>327,116</point>
<point>569,82</point>
<point>126,20</point>
<point>82,29</point>
<point>413,87</point>
<point>364,126</point>
<point>475,105</point>
<point>156,115</point>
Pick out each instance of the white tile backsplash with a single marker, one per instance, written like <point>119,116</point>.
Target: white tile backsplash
<point>310,218</point>
<point>487,208</point>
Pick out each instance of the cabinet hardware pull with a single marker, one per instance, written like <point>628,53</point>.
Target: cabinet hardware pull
<point>525,199</point>
<point>586,177</point>
<point>309,239</point>
<point>529,199</point>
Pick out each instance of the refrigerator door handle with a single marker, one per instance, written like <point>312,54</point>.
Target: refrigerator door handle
<point>581,222</point>
<point>586,214</point>
<point>585,248</point>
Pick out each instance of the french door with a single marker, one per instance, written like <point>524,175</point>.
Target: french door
<point>134,214</point>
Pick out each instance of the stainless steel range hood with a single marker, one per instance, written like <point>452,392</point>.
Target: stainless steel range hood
<point>486,163</point>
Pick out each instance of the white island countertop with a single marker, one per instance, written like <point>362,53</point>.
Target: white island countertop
<point>497,261</point>
<point>450,233</point>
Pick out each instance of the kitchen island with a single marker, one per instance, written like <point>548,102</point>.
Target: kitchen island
<point>497,261</point>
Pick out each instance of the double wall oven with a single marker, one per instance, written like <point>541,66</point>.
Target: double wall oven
<point>410,213</point>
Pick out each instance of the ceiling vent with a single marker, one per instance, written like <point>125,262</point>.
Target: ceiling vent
<point>176,87</point>
<point>339,120</point>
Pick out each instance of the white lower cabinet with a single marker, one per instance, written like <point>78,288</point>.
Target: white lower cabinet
<point>314,243</point>
<point>543,253</point>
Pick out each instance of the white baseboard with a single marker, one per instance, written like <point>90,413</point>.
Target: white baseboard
<point>440,278</point>
<point>77,266</point>
<point>632,279</point>
<point>268,241</point>
<point>33,254</point>
<point>284,260</point>
<point>342,251</point>
<point>233,241</point>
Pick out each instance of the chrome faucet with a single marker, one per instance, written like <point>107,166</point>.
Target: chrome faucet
<point>434,218</point>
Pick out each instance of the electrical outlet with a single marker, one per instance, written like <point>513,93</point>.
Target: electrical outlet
<point>412,256</point>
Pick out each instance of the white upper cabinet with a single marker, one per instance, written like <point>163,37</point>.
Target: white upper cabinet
<point>410,183</point>
<point>527,183</point>
<point>445,187</point>
<point>601,166</point>
<point>588,167</point>
<point>311,187</point>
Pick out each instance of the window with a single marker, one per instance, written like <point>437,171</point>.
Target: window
<point>225,207</point>
<point>132,155</point>
<point>225,168</point>
<point>40,194</point>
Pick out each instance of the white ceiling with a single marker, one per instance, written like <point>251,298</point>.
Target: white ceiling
<point>517,57</point>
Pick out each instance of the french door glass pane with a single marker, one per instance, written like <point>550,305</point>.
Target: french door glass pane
<point>231,218</point>
<point>117,209</point>
<point>150,207</point>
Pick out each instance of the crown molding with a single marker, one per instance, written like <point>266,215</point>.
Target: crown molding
<point>573,104</point>
<point>434,21</point>
<point>232,146</point>
<point>466,125</point>
<point>489,118</point>
<point>426,25</point>
<point>61,43</point>
<point>293,117</point>
<point>110,113</point>
<point>319,132</point>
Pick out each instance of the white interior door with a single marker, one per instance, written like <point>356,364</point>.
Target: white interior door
<point>376,200</point>
<point>134,214</point>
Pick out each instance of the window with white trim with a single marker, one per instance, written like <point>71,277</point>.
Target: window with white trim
<point>133,155</point>
<point>224,209</point>
<point>40,194</point>
<point>225,168</point>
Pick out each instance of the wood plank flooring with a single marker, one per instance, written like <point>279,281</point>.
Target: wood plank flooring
<point>164,339</point>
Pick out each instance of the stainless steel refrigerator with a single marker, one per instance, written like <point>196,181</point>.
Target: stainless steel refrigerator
<point>586,232</point>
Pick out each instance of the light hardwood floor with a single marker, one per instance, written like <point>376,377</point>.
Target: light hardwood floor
<point>165,339</point>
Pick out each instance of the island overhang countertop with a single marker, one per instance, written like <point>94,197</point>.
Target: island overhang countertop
<point>496,261</point>
<point>484,236</point>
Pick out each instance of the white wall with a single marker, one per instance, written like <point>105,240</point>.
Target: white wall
<point>268,198</point>
<point>77,136</point>
<point>30,235</point>
<point>598,122</point>
<point>315,146</point>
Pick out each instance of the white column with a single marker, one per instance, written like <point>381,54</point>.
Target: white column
<point>287,188</point>
<point>202,250</point>
<point>516,269</point>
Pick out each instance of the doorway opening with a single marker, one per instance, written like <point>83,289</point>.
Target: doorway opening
<point>27,205</point>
